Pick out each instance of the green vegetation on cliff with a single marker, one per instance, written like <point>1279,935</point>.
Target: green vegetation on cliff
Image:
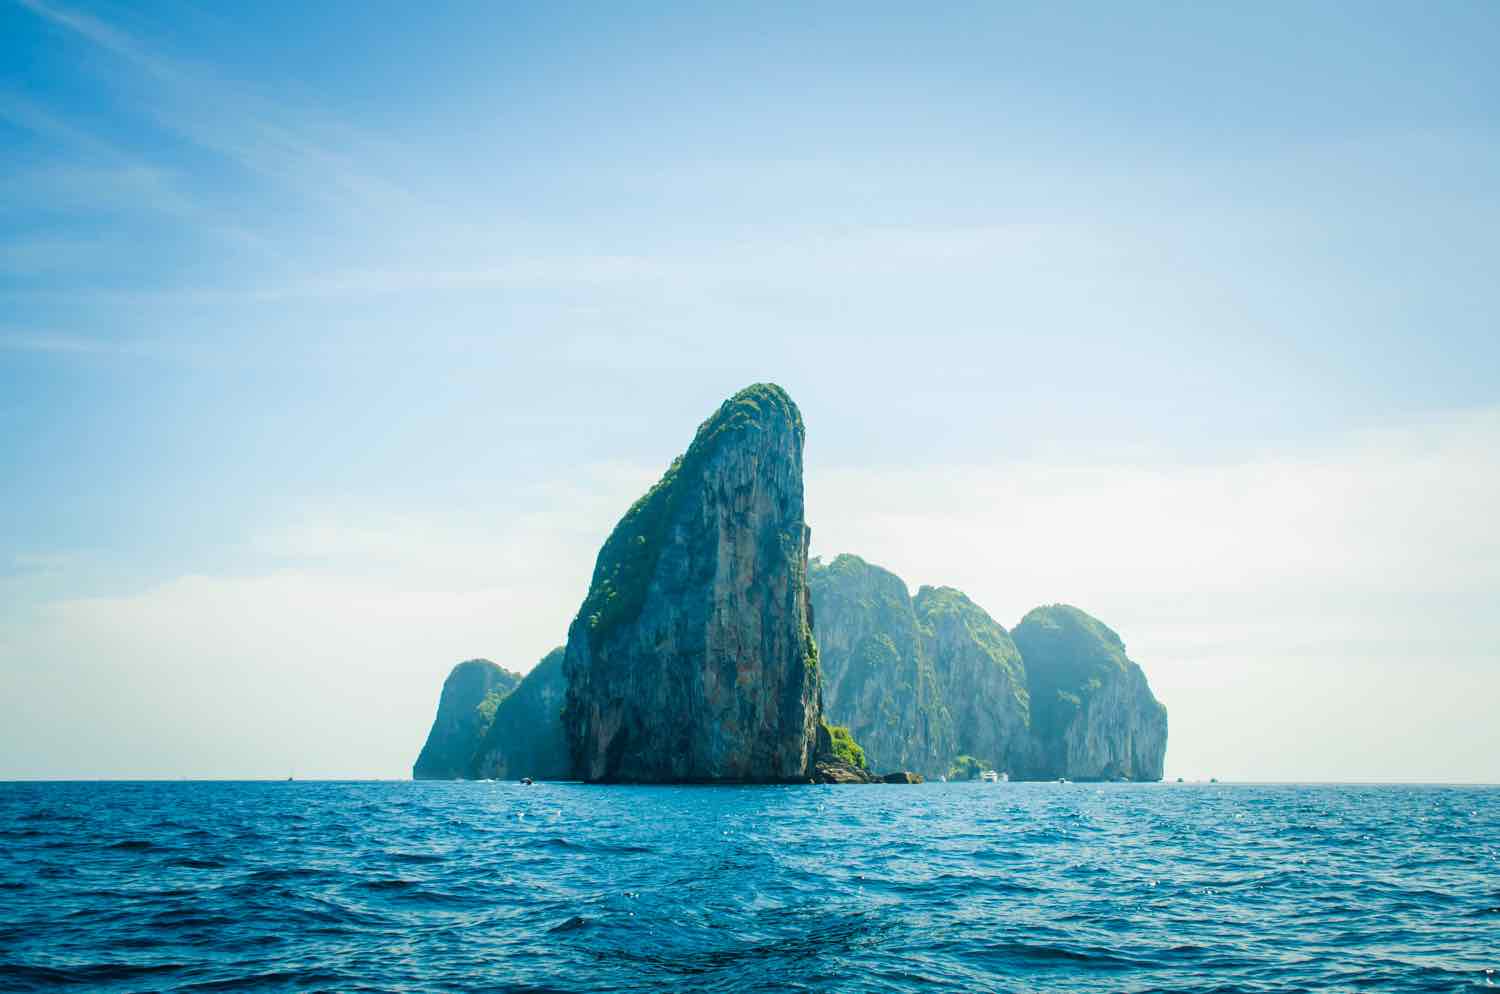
<point>628,557</point>
<point>844,746</point>
<point>491,701</point>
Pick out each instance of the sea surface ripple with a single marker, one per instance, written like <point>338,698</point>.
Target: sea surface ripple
<point>564,887</point>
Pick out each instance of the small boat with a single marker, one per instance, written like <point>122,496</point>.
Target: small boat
<point>990,776</point>
<point>527,781</point>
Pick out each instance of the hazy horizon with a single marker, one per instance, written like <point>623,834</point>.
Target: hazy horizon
<point>335,340</point>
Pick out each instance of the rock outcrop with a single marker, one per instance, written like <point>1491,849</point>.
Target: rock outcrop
<point>525,738</point>
<point>876,677</point>
<point>692,657</point>
<point>837,758</point>
<point>470,696</point>
<point>925,682</point>
<point>1094,716</point>
<point>903,777</point>
<point>827,769</point>
<point>983,680</point>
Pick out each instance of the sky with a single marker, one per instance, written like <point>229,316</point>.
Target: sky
<point>335,338</point>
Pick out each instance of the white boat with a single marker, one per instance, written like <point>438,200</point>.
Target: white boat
<point>990,776</point>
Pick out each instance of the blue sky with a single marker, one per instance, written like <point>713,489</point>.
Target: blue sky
<point>346,332</point>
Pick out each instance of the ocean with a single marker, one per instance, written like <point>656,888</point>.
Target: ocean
<point>397,886</point>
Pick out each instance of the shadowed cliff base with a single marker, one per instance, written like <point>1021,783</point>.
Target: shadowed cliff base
<point>508,729</point>
<point>465,711</point>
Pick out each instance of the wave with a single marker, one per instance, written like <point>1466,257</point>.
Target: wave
<point>180,887</point>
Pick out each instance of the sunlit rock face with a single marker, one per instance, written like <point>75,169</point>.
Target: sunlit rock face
<point>692,657</point>
<point>877,676</point>
<point>983,680</point>
<point>933,684</point>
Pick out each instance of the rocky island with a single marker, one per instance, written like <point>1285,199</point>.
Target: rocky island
<point>692,658</point>
<point>1094,716</point>
<point>933,684</point>
<point>525,737</point>
<point>709,650</point>
<point>465,711</point>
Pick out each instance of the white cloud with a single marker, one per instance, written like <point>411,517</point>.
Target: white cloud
<point>327,675</point>
<point>318,158</point>
<point>1327,614</point>
<point>329,665</point>
<point>1388,511</point>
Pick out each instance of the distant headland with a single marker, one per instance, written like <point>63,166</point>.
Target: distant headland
<point>710,650</point>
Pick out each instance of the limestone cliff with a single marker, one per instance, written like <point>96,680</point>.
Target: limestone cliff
<point>877,679</point>
<point>692,658</point>
<point>983,680</point>
<point>525,739</point>
<point>1094,716</point>
<point>470,695</point>
<point>927,681</point>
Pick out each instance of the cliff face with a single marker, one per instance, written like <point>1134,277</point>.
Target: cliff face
<point>924,681</point>
<point>877,679</point>
<point>692,657</point>
<point>470,695</point>
<point>983,678</point>
<point>1095,717</point>
<point>525,739</point>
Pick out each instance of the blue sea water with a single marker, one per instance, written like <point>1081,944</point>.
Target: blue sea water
<point>563,887</point>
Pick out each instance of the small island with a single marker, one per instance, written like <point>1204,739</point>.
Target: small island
<point>710,650</point>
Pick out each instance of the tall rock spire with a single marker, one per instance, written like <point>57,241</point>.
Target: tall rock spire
<point>692,657</point>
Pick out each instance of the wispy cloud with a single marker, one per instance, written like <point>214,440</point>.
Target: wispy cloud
<point>22,341</point>
<point>103,35</point>
<point>253,131</point>
<point>280,158</point>
<point>31,257</point>
<point>67,343</point>
<point>94,177</point>
<point>27,115</point>
<point>1390,511</point>
<point>1296,600</point>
